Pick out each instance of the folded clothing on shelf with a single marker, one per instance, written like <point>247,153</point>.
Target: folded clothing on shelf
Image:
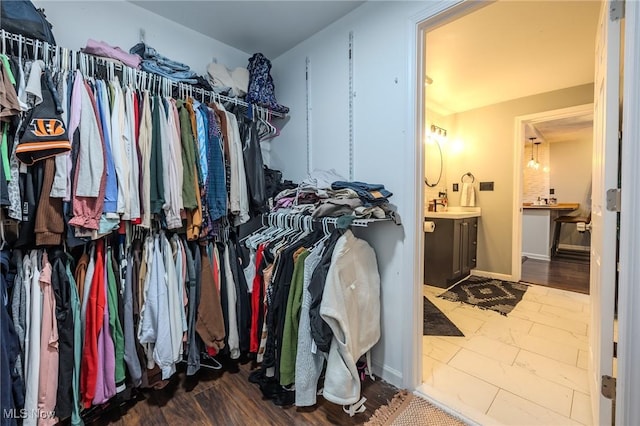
<point>369,193</point>
<point>155,63</point>
<point>235,83</point>
<point>100,48</point>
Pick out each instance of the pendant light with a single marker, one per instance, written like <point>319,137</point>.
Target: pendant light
<point>537,165</point>
<point>532,164</point>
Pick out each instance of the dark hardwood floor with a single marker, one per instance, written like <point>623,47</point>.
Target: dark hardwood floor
<point>558,273</point>
<point>227,397</point>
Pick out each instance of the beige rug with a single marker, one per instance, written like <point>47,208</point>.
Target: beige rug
<point>406,409</point>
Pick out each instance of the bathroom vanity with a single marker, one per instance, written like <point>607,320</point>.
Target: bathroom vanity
<point>450,245</point>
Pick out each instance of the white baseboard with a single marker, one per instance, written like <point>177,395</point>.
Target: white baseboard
<point>574,247</point>
<point>537,256</point>
<point>388,374</point>
<point>494,275</point>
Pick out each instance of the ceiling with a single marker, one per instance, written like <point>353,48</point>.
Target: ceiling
<point>508,50</point>
<point>269,27</point>
<point>505,50</point>
<point>562,129</point>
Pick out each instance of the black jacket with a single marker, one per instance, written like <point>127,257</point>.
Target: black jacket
<point>253,164</point>
<point>64,317</point>
<point>320,330</point>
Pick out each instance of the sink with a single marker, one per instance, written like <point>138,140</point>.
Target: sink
<point>454,213</point>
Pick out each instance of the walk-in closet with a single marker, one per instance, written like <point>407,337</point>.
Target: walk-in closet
<point>212,212</point>
<point>151,251</point>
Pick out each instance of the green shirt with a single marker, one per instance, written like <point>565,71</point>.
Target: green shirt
<point>188,158</point>
<point>114,320</point>
<point>76,420</point>
<point>289,349</point>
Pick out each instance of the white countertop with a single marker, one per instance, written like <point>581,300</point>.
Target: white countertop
<point>454,213</point>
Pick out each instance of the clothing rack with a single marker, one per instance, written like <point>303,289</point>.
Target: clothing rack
<point>295,220</point>
<point>67,59</point>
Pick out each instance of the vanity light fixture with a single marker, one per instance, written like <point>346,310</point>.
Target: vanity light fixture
<point>438,133</point>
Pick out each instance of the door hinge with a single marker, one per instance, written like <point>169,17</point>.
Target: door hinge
<point>609,387</point>
<point>616,10</point>
<point>613,199</point>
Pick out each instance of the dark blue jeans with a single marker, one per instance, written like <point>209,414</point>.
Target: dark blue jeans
<point>155,63</point>
<point>370,193</point>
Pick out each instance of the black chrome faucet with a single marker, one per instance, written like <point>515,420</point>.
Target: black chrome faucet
<point>437,203</point>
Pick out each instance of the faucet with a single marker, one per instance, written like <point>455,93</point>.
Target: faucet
<point>437,203</point>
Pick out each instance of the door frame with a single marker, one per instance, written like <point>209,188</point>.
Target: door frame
<point>627,410</point>
<point>518,155</point>
<point>628,377</point>
<point>436,14</point>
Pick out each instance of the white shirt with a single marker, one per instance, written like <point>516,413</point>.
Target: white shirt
<point>119,150</point>
<point>144,142</point>
<point>32,369</point>
<point>132,157</point>
<point>234,337</point>
<point>147,327</point>
<point>174,298</point>
<point>239,195</point>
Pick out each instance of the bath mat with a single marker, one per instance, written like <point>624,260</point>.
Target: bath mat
<point>436,322</point>
<point>487,293</point>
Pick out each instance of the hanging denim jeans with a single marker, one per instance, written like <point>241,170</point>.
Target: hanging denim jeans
<point>155,63</point>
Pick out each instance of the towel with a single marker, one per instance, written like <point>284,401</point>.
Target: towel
<point>468,195</point>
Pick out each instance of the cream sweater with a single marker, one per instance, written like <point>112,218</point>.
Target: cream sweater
<point>351,307</point>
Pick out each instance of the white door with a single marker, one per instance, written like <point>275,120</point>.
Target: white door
<point>603,222</point>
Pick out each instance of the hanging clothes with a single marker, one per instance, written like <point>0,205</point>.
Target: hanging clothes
<point>32,341</point>
<point>49,356</point>
<point>309,276</point>
<point>11,387</point>
<point>63,287</point>
<point>144,193</point>
<point>351,307</point>
<point>95,303</point>
<point>308,363</point>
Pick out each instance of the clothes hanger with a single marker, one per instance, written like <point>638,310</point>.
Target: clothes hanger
<point>327,234</point>
<point>36,45</point>
<point>258,236</point>
<point>276,229</point>
<point>257,231</point>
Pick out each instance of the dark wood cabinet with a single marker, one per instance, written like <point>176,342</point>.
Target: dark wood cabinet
<point>450,250</point>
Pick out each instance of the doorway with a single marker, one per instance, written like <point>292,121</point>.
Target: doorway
<point>484,373</point>
<point>555,204</point>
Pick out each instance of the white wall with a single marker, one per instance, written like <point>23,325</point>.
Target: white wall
<point>488,149</point>
<point>384,141</point>
<point>118,23</point>
<point>572,184</point>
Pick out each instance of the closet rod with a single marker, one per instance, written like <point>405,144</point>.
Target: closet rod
<point>140,74</point>
<point>290,218</point>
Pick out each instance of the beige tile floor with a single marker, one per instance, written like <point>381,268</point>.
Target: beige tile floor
<point>528,368</point>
